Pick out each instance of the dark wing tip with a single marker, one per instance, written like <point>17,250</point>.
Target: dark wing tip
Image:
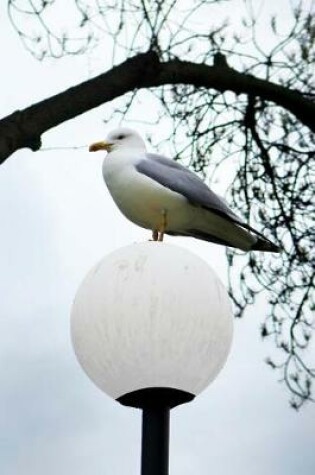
<point>265,246</point>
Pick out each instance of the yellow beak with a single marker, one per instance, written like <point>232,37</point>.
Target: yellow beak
<point>94,147</point>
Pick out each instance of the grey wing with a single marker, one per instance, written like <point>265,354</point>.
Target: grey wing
<point>181,180</point>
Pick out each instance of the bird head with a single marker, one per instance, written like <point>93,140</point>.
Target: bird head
<point>119,139</point>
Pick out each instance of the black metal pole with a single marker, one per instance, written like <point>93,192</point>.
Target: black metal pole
<point>155,440</point>
<point>156,403</point>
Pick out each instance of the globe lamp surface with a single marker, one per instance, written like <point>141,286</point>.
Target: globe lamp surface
<point>151,315</point>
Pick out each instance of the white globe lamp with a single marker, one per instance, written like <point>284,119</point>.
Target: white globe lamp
<point>152,327</point>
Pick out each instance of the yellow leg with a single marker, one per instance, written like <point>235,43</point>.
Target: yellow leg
<point>163,226</point>
<point>155,235</point>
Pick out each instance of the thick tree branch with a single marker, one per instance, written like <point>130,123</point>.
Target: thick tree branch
<point>223,78</point>
<point>24,128</point>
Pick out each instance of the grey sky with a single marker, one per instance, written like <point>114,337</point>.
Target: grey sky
<point>57,221</point>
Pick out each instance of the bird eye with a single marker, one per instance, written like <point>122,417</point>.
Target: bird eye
<point>120,137</point>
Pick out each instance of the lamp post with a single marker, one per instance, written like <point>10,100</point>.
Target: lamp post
<point>151,326</point>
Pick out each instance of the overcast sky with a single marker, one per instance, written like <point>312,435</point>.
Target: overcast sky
<point>57,221</point>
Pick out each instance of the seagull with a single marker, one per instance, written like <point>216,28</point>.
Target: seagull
<point>159,194</point>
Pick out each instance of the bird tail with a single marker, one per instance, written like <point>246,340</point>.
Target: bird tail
<point>262,243</point>
<point>265,245</point>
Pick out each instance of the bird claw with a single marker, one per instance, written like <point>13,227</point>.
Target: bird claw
<point>157,236</point>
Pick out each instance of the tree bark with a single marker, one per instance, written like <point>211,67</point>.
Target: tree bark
<point>24,128</point>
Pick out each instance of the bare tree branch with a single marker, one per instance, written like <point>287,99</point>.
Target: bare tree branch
<point>24,128</point>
